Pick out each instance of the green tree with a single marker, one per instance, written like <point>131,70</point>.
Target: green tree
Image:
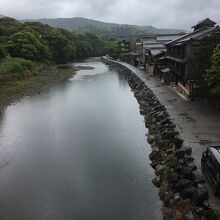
<point>9,26</point>
<point>97,43</point>
<point>62,49</point>
<point>112,50</point>
<point>36,41</point>
<point>3,53</point>
<point>25,44</point>
<point>202,59</point>
<point>212,76</point>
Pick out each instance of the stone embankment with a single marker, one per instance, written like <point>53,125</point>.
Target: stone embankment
<point>181,188</point>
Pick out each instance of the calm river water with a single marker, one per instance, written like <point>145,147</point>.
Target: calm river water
<point>77,152</point>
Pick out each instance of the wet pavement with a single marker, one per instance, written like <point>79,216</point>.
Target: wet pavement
<point>199,125</point>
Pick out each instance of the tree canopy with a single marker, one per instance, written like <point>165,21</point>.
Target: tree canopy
<point>36,41</point>
<point>202,59</point>
<point>26,45</point>
<point>212,76</point>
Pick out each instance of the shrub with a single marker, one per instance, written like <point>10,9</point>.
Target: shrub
<point>212,76</point>
<point>11,65</point>
<point>2,52</point>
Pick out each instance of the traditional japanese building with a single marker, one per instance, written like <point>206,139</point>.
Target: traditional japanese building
<point>180,52</point>
<point>148,47</point>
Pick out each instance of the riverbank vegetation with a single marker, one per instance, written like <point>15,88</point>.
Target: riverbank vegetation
<point>44,78</point>
<point>22,46</point>
<point>15,68</point>
<point>29,51</point>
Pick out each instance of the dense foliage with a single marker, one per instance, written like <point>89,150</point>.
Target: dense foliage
<point>27,45</point>
<point>15,65</point>
<point>35,41</point>
<point>2,52</point>
<point>15,69</point>
<point>212,77</point>
<point>23,44</point>
<point>202,59</point>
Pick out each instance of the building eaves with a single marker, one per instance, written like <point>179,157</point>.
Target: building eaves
<point>180,39</point>
<point>207,20</point>
<point>176,59</point>
<point>196,35</point>
<point>200,35</point>
<point>154,46</point>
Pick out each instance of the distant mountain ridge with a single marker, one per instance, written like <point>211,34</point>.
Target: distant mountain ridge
<point>80,24</point>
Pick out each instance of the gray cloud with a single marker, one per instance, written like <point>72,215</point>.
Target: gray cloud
<point>159,13</point>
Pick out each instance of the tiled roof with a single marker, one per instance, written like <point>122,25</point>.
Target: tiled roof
<point>165,38</point>
<point>205,22</point>
<point>198,34</point>
<point>160,38</point>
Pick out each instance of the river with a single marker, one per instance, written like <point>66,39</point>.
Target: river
<point>77,152</point>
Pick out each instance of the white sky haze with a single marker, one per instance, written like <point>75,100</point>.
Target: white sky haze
<point>159,13</point>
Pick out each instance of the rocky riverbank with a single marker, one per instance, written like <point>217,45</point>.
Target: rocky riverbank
<point>181,187</point>
<point>43,78</point>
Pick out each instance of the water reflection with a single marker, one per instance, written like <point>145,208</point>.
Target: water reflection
<point>77,151</point>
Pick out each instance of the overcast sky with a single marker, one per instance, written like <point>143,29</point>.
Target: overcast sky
<point>160,13</point>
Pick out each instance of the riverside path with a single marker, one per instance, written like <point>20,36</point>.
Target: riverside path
<point>198,125</point>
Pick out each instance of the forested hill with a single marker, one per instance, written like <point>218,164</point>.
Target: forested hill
<point>97,27</point>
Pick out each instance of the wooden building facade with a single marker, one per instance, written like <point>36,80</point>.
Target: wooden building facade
<point>150,47</point>
<point>180,53</point>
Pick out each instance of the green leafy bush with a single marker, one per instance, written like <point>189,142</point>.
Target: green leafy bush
<point>25,44</point>
<point>9,26</point>
<point>212,76</point>
<point>11,65</point>
<point>3,53</point>
<point>202,59</point>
